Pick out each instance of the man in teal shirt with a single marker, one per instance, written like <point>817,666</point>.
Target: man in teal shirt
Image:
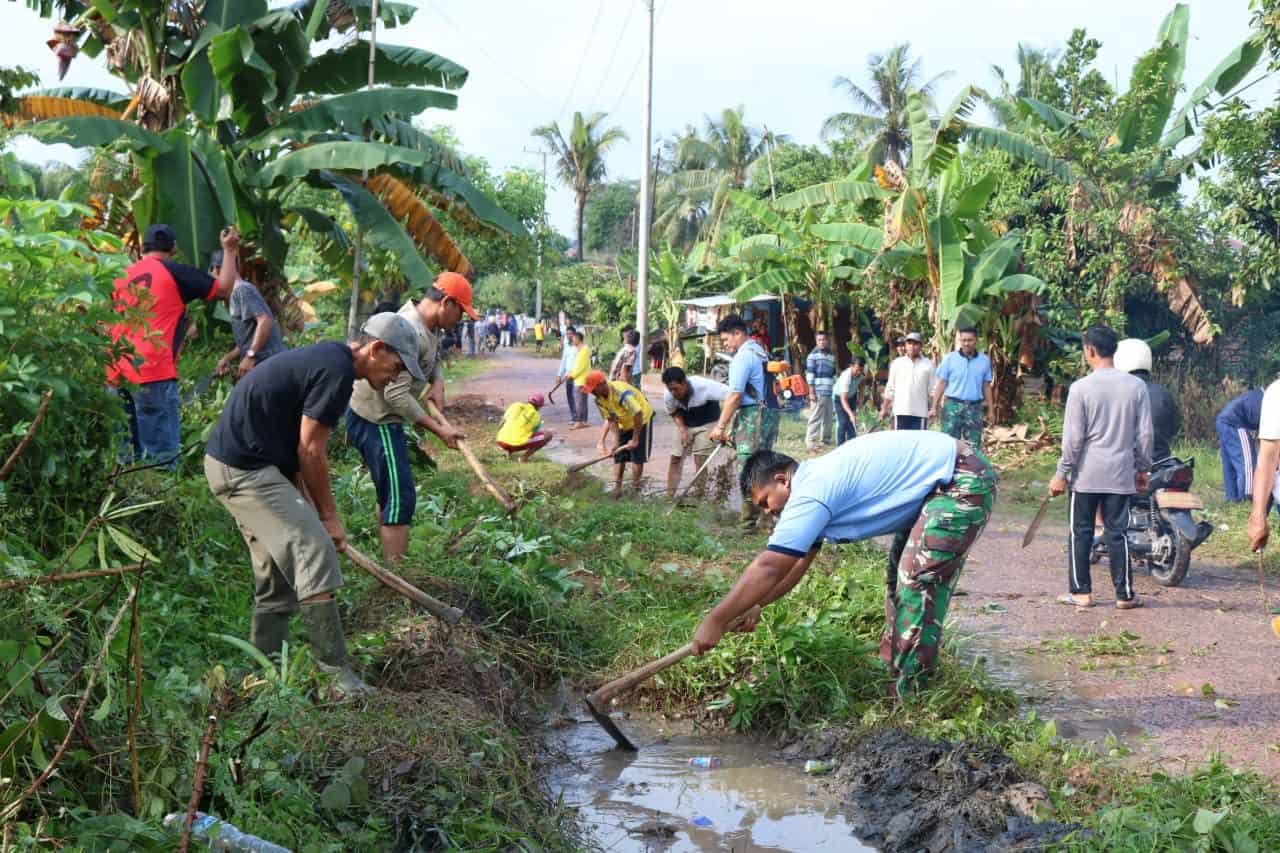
<point>933,492</point>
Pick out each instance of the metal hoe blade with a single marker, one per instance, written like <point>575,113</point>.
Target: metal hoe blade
<point>606,722</point>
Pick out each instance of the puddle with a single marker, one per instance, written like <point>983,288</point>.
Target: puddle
<point>649,800</point>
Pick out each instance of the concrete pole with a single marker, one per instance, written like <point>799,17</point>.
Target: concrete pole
<point>353,314</point>
<point>646,202</point>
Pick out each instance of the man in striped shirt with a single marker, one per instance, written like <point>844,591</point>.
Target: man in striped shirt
<point>820,373</point>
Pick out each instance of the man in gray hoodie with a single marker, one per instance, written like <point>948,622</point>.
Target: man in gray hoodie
<point>1106,451</point>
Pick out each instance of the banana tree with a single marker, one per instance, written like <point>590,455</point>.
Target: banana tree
<point>671,278</point>
<point>251,115</point>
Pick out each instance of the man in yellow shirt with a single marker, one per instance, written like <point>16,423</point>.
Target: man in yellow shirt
<point>521,429</point>
<point>624,408</point>
<point>539,332</point>
<point>578,375</point>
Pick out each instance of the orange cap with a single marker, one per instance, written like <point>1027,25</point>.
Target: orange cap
<point>456,287</point>
<point>592,381</point>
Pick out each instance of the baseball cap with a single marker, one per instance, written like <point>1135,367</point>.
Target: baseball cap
<point>898,340</point>
<point>395,331</point>
<point>159,238</point>
<point>592,381</point>
<point>455,286</point>
<point>537,400</point>
<point>914,336</point>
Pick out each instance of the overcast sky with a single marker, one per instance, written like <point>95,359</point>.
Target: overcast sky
<point>532,62</point>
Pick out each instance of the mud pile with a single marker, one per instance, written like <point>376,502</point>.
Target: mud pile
<point>909,794</point>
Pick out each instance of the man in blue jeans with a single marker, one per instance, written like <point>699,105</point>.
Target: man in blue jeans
<point>156,290</point>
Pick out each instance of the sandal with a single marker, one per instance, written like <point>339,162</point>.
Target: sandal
<point>1071,601</point>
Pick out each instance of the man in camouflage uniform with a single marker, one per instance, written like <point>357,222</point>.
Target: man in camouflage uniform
<point>963,390</point>
<point>934,492</point>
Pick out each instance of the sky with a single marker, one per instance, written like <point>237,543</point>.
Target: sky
<point>536,61</point>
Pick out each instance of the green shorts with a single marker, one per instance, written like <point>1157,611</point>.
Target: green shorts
<point>293,556</point>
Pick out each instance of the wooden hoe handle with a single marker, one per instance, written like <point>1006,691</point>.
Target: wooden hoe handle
<point>434,606</point>
<point>494,489</point>
<point>600,698</point>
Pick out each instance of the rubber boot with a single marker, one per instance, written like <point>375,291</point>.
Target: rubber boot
<point>268,631</point>
<point>329,647</point>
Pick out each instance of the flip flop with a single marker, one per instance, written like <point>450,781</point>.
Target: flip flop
<point>1070,601</point>
<point>1128,604</point>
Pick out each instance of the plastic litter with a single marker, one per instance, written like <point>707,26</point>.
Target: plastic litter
<point>818,768</point>
<point>220,835</point>
<point>705,762</point>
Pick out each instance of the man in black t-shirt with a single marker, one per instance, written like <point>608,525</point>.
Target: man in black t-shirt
<point>266,463</point>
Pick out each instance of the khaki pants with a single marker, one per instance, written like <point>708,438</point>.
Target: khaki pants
<point>818,431</point>
<point>293,556</point>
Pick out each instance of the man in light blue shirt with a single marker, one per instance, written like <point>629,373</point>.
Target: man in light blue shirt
<point>964,379</point>
<point>757,423</point>
<point>933,492</point>
<point>568,355</point>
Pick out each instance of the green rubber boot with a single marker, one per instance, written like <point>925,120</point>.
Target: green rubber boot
<point>268,631</point>
<point>329,647</point>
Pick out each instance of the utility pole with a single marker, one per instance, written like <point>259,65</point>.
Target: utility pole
<point>542,231</point>
<point>773,196</point>
<point>642,279</point>
<point>353,313</point>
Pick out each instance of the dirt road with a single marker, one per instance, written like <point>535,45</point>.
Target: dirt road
<point>1192,672</point>
<point>516,374</point>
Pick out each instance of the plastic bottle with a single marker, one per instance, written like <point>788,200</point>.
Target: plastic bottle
<point>705,762</point>
<point>818,768</point>
<point>227,836</point>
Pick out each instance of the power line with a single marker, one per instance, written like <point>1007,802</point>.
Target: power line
<point>582,59</point>
<point>477,44</point>
<point>613,54</point>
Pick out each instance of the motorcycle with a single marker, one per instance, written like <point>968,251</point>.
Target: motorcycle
<point>1162,532</point>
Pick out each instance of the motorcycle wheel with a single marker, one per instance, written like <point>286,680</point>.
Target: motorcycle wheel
<point>1174,572</point>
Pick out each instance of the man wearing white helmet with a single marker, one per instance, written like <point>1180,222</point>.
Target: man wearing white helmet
<point>1134,356</point>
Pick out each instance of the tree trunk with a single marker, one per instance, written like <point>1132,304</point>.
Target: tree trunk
<point>582,212</point>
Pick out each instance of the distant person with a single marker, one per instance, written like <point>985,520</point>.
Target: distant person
<point>1106,453</point>
<point>539,334</point>
<point>820,373</point>
<point>513,330</point>
<point>504,329</point>
<point>158,288</point>
<point>1133,356</point>
<point>568,356</point>
<point>254,327</point>
<point>760,334</point>
<point>625,360</point>
<point>899,346</point>
<point>521,430</point>
<point>906,392</point>
<point>844,395</point>
<point>1237,427</point>
<point>963,390</point>
<point>578,375</point>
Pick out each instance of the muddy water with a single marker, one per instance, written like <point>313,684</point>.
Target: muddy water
<point>652,800</point>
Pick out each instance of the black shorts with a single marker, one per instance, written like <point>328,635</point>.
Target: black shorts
<point>640,454</point>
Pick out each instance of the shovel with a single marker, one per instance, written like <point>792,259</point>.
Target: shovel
<point>705,466</point>
<point>434,606</point>
<point>600,698</point>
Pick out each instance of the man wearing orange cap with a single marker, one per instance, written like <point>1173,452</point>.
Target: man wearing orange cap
<point>521,430</point>
<point>624,408</point>
<point>377,418</point>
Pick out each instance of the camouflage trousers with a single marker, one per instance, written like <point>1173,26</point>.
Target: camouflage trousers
<point>924,567</point>
<point>962,419</point>
<point>755,428</point>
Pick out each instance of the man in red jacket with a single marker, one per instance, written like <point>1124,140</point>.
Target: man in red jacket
<point>153,297</point>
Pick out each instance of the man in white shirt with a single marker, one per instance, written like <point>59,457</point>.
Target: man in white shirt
<point>693,402</point>
<point>1264,475</point>
<point>910,382</point>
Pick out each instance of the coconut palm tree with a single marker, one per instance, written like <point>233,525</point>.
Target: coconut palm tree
<point>580,156</point>
<point>882,118</point>
<point>708,167</point>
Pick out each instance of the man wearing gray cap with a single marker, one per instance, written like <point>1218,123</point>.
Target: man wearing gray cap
<point>907,390</point>
<point>266,463</point>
